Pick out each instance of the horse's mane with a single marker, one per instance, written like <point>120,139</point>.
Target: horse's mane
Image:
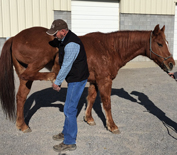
<point>121,41</point>
<point>126,40</point>
<point>122,38</point>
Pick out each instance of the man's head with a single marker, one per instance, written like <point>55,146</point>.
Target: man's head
<point>59,29</point>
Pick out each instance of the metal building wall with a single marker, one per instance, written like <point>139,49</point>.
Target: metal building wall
<point>162,7</point>
<point>16,15</point>
<point>145,15</point>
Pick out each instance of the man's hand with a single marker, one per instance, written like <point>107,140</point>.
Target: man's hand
<point>56,87</point>
<point>171,75</point>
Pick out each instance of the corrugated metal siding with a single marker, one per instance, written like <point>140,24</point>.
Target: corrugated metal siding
<point>148,6</point>
<point>64,5</point>
<point>16,15</point>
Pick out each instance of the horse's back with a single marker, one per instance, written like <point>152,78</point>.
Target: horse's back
<point>32,44</point>
<point>94,43</point>
<point>33,37</point>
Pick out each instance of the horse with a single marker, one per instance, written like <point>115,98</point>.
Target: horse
<point>32,49</point>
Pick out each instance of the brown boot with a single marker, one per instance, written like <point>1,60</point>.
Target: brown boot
<point>58,137</point>
<point>64,147</point>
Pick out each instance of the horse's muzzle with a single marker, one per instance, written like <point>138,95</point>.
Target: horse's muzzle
<point>170,64</point>
<point>168,67</point>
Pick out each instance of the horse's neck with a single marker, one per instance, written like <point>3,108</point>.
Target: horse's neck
<point>130,44</point>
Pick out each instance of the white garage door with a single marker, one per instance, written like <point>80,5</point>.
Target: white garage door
<point>91,16</point>
<point>175,36</point>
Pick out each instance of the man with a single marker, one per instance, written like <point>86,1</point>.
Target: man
<point>74,69</point>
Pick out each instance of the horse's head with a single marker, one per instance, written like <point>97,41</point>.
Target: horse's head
<point>159,51</point>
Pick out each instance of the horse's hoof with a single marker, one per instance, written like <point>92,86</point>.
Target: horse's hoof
<point>90,123</point>
<point>27,130</point>
<point>117,131</point>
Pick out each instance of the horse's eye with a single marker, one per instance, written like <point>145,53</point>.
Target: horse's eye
<point>160,45</point>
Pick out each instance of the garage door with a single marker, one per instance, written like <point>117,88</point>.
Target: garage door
<point>90,16</point>
<point>175,36</point>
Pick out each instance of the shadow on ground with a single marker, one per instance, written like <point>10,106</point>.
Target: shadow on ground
<point>154,110</point>
<point>46,98</point>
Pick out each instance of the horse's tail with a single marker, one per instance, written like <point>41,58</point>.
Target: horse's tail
<point>7,86</point>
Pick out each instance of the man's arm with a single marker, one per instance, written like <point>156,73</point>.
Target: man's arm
<point>71,52</point>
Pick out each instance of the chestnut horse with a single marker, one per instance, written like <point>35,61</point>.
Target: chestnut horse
<point>32,49</point>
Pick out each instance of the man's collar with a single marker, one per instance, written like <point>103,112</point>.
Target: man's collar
<point>63,38</point>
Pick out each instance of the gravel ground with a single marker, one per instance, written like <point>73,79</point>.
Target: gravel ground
<point>144,106</point>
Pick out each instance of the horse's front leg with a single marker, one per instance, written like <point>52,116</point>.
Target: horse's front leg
<point>105,87</point>
<point>21,96</point>
<point>92,94</point>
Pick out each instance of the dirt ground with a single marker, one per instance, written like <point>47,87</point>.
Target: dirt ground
<point>144,106</point>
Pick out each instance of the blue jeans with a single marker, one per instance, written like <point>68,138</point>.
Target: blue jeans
<point>74,92</point>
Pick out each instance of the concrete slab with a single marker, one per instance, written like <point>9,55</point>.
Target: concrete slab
<point>143,106</point>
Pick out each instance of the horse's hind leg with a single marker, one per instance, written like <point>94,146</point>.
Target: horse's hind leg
<point>104,87</point>
<point>21,96</point>
<point>92,94</point>
<point>35,75</point>
<point>32,73</point>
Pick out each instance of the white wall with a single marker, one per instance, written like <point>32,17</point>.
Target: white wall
<point>175,36</point>
<point>91,16</point>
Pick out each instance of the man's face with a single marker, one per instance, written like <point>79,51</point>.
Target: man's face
<point>60,34</point>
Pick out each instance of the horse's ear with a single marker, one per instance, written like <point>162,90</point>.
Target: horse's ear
<point>163,29</point>
<point>156,30</point>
